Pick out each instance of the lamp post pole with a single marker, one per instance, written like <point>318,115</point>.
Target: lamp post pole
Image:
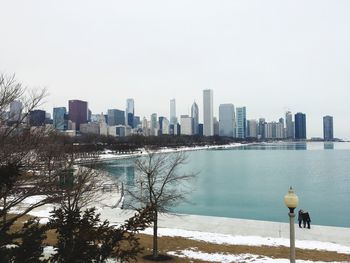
<point>291,200</point>
<point>292,234</point>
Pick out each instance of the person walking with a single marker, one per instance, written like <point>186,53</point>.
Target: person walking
<point>300,217</point>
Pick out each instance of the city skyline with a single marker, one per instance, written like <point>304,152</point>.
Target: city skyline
<point>252,54</point>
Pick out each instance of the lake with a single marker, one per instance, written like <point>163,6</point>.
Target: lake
<point>250,182</point>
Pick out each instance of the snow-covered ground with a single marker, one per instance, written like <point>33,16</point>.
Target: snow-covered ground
<point>109,155</point>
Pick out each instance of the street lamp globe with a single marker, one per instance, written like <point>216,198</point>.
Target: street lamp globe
<point>291,200</point>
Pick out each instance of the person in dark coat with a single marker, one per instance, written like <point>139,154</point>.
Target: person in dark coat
<point>306,219</point>
<point>300,217</point>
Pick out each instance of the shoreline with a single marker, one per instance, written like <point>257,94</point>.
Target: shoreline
<point>107,155</point>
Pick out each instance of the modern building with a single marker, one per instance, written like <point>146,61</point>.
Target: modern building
<point>16,108</point>
<point>78,112</point>
<point>289,125</point>
<point>186,125</point>
<point>200,129</point>
<point>195,117</point>
<point>130,112</point>
<point>261,128</point>
<point>115,117</point>
<point>60,118</point>
<point>165,126</point>
<point>328,128</point>
<point>37,117</point>
<point>216,126</point>
<point>154,125</point>
<point>241,122</point>
<point>300,126</point>
<point>252,129</point>
<point>208,113</point>
<point>227,120</point>
<point>173,119</point>
<point>90,128</point>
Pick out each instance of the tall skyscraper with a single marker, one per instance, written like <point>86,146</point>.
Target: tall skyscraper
<point>261,128</point>
<point>173,119</point>
<point>300,126</point>
<point>328,128</point>
<point>241,127</point>
<point>252,129</point>
<point>227,120</point>
<point>154,125</point>
<point>208,113</point>
<point>115,117</point>
<point>130,112</point>
<point>78,112</point>
<point>195,117</point>
<point>16,108</point>
<point>289,125</point>
<point>186,125</point>
<point>59,118</point>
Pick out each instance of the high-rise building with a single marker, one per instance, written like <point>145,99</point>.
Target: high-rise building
<point>37,117</point>
<point>154,125</point>
<point>195,117</point>
<point>261,128</point>
<point>160,125</point>
<point>208,113</point>
<point>173,119</point>
<point>60,118</point>
<point>241,120</point>
<point>227,120</point>
<point>78,112</point>
<point>165,126</point>
<point>115,117</point>
<point>130,112</point>
<point>186,125</point>
<point>252,129</point>
<point>16,108</point>
<point>200,129</point>
<point>300,126</point>
<point>328,128</point>
<point>289,125</point>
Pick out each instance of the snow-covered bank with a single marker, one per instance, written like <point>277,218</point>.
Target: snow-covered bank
<point>108,155</point>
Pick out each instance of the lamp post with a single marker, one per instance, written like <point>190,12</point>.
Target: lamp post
<point>291,200</point>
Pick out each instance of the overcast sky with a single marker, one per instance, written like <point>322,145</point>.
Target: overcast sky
<point>269,56</point>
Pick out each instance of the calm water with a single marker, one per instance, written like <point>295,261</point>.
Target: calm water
<point>250,182</point>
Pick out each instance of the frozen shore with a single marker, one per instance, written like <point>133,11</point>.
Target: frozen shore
<point>108,155</point>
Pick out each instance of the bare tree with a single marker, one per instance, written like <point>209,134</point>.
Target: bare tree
<point>162,186</point>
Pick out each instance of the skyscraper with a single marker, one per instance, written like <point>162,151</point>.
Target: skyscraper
<point>186,125</point>
<point>173,119</point>
<point>15,110</point>
<point>154,125</point>
<point>130,112</point>
<point>328,128</point>
<point>37,118</point>
<point>195,117</point>
<point>227,120</point>
<point>241,127</point>
<point>289,125</point>
<point>78,112</point>
<point>115,117</point>
<point>300,126</point>
<point>261,128</point>
<point>59,118</point>
<point>252,129</point>
<point>208,113</point>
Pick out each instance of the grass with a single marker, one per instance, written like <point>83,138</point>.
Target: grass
<point>167,244</point>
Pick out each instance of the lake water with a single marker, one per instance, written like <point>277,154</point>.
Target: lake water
<point>250,182</point>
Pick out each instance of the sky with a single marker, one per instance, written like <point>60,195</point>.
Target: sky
<point>270,56</point>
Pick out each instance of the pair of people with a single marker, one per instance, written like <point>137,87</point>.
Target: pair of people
<point>304,217</point>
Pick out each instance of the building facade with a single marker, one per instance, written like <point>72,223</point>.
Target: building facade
<point>130,112</point>
<point>186,125</point>
<point>227,120</point>
<point>241,122</point>
<point>195,117</point>
<point>328,128</point>
<point>78,112</point>
<point>60,118</point>
<point>300,126</point>
<point>208,113</point>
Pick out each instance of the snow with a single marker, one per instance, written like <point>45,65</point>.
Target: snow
<point>220,257</point>
<point>217,238</point>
